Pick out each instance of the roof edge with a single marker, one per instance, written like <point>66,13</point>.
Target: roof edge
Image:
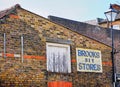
<point>7,11</point>
<point>18,6</point>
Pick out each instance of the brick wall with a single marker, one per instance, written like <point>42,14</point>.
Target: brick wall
<point>32,72</point>
<point>98,33</point>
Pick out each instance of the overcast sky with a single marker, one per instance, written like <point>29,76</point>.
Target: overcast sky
<point>79,10</point>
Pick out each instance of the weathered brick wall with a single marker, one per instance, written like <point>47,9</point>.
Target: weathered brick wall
<point>13,73</point>
<point>100,34</point>
<point>92,31</point>
<point>36,31</point>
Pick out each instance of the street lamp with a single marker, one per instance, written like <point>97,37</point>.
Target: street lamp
<point>111,15</point>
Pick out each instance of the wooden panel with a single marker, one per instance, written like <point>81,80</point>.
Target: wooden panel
<point>35,57</point>
<point>58,58</point>
<point>14,16</point>
<point>107,63</point>
<point>59,84</point>
<point>73,60</point>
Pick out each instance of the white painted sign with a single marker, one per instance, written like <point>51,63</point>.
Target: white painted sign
<point>88,60</point>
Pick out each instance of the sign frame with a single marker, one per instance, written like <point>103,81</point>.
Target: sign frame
<point>89,60</point>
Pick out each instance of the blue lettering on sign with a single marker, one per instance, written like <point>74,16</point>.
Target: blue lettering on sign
<point>84,66</point>
<point>89,60</point>
<point>88,53</point>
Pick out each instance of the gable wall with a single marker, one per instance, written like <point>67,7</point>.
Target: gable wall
<point>37,31</point>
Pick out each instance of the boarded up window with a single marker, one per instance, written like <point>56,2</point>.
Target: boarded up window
<point>58,58</point>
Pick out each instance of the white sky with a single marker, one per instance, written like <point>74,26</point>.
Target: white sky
<point>79,10</point>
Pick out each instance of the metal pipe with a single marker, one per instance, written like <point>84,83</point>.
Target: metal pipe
<point>22,50</point>
<point>4,45</point>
